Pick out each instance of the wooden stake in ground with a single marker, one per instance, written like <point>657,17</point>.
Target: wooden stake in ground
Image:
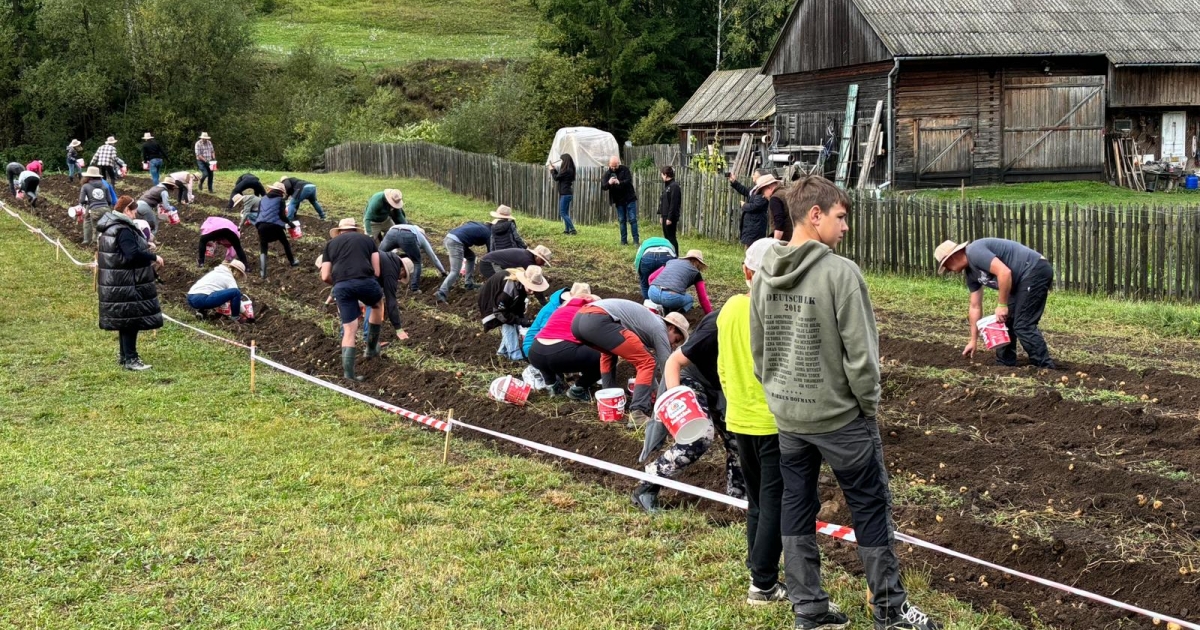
<point>449,425</point>
<point>252,362</point>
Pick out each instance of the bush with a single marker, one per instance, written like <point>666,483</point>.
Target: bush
<point>655,127</point>
<point>493,123</point>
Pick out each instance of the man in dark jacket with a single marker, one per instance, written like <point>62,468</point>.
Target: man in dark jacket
<point>126,281</point>
<point>669,203</point>
<point>781,221</point>
<point>246,181</point>
<point>618,181</point>
<point>153,155</point>
<point>501,259</point>
<point>458,244</point>
<point>755,221</point>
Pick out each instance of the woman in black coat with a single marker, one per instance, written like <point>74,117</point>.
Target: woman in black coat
<point>126,281</point>
<point>669,203</point>
<point>564,177</point>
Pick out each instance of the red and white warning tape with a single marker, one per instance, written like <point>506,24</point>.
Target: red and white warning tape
<point>829,529</point>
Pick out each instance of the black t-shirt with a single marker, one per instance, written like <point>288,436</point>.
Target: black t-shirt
<point>511,258</point>
<point>350,255</point>
<point>701,349</point>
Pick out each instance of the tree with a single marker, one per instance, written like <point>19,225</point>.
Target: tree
<point>750,30</point>
<point>655,127</point>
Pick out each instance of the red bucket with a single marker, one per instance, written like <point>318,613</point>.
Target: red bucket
<point>510,389</point>
<point>611,404</point>
<point>295,232</point>
<point>173,217</point>
<point>680,412</point>
<point>20,194</point>
<point>994,333</point>
<point>247,308</point>
<point>76,212</point>
<point>210,249</point>
<point>225,309</point>
<point>212,166</point>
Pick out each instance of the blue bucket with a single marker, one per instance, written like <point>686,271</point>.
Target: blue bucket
<point>1192,182</point>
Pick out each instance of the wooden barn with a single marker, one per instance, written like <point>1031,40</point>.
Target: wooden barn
<point>987,91</point>
<point>728,104</point>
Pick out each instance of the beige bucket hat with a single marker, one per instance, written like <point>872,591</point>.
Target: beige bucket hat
<point>147,136</point>
<point>75,143</point>
<point>110,140</point>
<point>579,289</point>
<point>678,321</point>
<point>541,251</point>
<point>394,197</point>
<point>502,212</point>
<point>204,136</point>
<point>93,172</point>
<point>345,225</point>
<point>237,266</point>
<point>237,200</point>
<point>532,277</point>
<point>277,187</point>
<point>943,252</point>
<point>169,181</point>
<point>696,255</point>
<point>765,180</point>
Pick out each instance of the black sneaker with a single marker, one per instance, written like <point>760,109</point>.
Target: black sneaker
<point>135,364</point>
<point>578,394</point>
<point>645,497</point>
<point>908,617</point>
<point>832,619</point>
<point>758,597</point>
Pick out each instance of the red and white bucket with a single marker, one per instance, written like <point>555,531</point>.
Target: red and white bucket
<point>76,212</point>
<point>145,166</point>
<point>680,412</point>
<point>124,171</point>
<point>20,194</point>
<point>611,404</point>
<point>632,384</point>
<point>247,308</point>
<point>295,232</point>
<point>173,217</point>
<point>80,163</point>
<point>210,249</point>
<point>993,332</point>
<point>212,165</point>
<point>510,389</point>
<point>225,309</point>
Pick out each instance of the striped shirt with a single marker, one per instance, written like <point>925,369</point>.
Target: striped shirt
<point>204,150</point>
<point>106,155</point>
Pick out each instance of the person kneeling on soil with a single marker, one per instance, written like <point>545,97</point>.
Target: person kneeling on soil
<point>651,256</point>
<point>218,287</point>
<point>669,285</point>
<point>693,365</point>
<point>502,305</point>
<point>384,209</point>
<point>126,281</point>
<point>271,224</point>
<point>816,353</point>
<point>150,203</point>
<point>225,233</point>
<point>1021,277</point>
<point>512,257</point>
<point>623,329</point>
<point>350,263</point>
<point>458,244</point>
<point>555,352</point>
<point>247,206</point>
<point>411,240</point>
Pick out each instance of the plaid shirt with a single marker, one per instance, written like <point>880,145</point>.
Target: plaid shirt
<point>204,150</point>
<point>106,155</point>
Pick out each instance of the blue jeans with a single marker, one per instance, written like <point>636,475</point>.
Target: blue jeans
<point>510,343</point>
<point>650,263</point>
<point>155,169</point>
<point>671,301</point>
<point>458,253</point>
<point>205,173</point>
<point>309,193</point>
<point>202,302</point>
<point>628,213</point>
<point>72,169</point>
<point>564,211</point>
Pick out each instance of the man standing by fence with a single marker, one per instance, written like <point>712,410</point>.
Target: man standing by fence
<point>618,181</point>
<point>1021,276</point>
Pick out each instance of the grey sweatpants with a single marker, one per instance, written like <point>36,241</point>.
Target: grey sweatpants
<point>458,253</point>
<point>855,453</point>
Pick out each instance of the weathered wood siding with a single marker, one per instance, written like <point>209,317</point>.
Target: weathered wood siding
<point>824,92</point>
<point>950,109</point>
<point>1154,87</point>
<point>822,34</point>
<point>1054,124</point>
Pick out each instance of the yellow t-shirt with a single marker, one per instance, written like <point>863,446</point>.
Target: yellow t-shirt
<point>746,410</point>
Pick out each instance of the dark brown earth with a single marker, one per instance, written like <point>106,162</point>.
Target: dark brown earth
<point>1079,466</point>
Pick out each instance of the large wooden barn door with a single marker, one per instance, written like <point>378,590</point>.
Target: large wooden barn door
<point>1053,125</point>
<point>944,147</point>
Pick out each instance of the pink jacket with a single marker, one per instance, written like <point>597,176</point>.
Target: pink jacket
<point>35,166</point>
<point>212,224</point>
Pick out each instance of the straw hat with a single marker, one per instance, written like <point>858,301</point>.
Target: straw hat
<point>93,172</point>
<point>394,198</point>
<point>345,225</point>
<point>579,289</point>
<point>532,278</point>
<point>110,140</point>
<point>204,135</point>
<point>678,321</point>
<point>236,265</point>
<point>944,251</point>
<point>75,143</point>
<point>408,266</point>
<point>147,136</point>
<point>542,252</point>
<point>698,256</point>
<point>237,200</point>
<point>168,181</point>
<point>765,180</point>
<point>756,251</point>
<point>502,212</point>
<point>277,187</point>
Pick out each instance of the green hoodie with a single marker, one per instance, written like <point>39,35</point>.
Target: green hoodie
<point>813,338</point>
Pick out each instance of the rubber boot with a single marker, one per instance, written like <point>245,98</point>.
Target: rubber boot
<point>645,497</point>
<point>348,355</point>
<point>262,266</point>
<point>373,331</point>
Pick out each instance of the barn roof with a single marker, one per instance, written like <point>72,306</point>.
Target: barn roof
<point>729,96</point>
<point>1126,31</point>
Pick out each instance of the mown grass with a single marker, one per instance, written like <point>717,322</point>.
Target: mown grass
<point>174,498</point>
<point>1082,193</point>
<point>379,34</point>
<point>920,306</point>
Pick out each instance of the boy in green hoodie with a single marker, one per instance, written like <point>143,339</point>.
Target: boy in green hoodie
<point>816,353</point>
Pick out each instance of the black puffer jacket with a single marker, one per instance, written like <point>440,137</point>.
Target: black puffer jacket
<point>505,235</point>
<point>128,295</point>
<point>502,301</point>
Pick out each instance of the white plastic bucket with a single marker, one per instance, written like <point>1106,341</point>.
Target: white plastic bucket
<point>79,163</point>
<point>247,308</point>
<point>212,165</point>
<point>680,413</point>
<point>993,332</point>
<point>611,404</point>
<point>145,166</point>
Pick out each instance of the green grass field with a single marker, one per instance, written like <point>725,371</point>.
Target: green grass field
<point>378,34</point>
<point>175,498</point>
<point>1083,193</point>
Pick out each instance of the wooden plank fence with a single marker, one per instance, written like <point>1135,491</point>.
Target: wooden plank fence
<point>662,154</point>
<point>1133,251</point>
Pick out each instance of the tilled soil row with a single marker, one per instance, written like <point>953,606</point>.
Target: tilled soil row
<point>305,345</point>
